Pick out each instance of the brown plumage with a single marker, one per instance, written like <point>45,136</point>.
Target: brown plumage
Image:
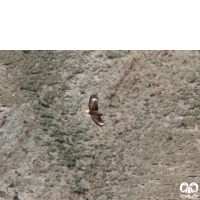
<point>93,111</point>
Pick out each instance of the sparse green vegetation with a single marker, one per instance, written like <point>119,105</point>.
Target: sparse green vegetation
<point>149,101</point>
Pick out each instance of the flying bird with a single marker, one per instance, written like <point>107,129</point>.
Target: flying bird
<point>93,111</point>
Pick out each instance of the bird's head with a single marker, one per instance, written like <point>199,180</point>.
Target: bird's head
<point>86,113</point>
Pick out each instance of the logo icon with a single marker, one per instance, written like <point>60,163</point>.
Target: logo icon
<point>190,189</point>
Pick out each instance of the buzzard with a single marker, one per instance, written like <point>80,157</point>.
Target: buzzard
<point>93,111</point>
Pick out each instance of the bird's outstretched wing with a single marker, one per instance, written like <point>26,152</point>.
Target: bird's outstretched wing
<point>97,119</point>
<point>93,102</point>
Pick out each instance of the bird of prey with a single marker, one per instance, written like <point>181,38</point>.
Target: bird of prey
<point>93,111</point>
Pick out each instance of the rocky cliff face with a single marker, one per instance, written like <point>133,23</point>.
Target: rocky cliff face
<point>150,102</point>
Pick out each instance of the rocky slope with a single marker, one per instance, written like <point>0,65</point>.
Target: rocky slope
<point>149,146</point>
